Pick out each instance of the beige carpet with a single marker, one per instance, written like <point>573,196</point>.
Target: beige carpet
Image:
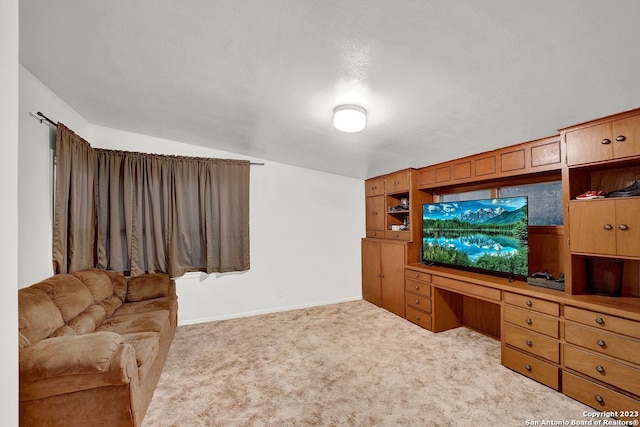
<point>350,364</point>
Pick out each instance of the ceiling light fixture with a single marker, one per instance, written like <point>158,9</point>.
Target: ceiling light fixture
<point>349,118</point>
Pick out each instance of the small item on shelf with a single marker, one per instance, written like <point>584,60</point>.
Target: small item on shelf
<point>632,190</point>
<point>591,194</point>
<point>404,202</point>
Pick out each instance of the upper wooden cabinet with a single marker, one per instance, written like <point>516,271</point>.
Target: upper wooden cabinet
<point>613,138</point>
<point>398,182</point>
<point>374,186</point>
<point>530,157</point>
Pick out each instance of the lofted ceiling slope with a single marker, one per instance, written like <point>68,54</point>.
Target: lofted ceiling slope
<point>440,79</point>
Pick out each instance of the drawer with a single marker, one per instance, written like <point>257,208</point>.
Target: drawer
<point>596,396</point>
<point>417,287</point>
<point>603,321</point>
<point>418,301</point>
<point>532,342</point>
<point>398,235</point>
<point>375,234</point>
<point>531,367</point>
<point>467,288</point>
<point>417,275</point>
<point>602,368</point>
<point>526,319</point>
<point>535,304</point>
<point>418,317</point>
<point>603,342</point>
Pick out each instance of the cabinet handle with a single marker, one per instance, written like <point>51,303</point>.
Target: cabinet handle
<point>375,234</point>
<point>417,275</point>
<point>599,320</point>
<point>623,227</point>
<point>608,227</point>
<point>599,369</point>
<point>417,288</point>
<point>397,235</point>
<point>417,317</point>
<point>621,138</point>
<point>601,343</point>
<point>417,301</point>
<point>529,343</point>
<point>599,398</point>
<point>529,303</point>
<point>527,367</point>
<point>606,141</point>
<point>374,213</point>
<point>528,321</point>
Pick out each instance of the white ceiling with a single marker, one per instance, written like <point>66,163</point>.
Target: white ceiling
<point>440,79</point>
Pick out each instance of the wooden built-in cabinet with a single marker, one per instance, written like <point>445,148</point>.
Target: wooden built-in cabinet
<point>574,341</point>
<point>527,158</point>
<point>605,227</point>
<point>383,274</point>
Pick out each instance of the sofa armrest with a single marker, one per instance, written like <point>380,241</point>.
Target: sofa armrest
<point>73,363</point>
<point>149,286</point>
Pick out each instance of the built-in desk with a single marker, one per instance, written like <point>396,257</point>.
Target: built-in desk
<point>585,346</point>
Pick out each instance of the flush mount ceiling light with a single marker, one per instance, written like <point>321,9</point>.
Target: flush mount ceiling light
<point>349,118</point>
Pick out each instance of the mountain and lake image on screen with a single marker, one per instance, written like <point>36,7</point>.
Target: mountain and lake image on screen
<point>488,234</point>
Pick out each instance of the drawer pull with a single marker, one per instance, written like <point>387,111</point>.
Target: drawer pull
<point>599,320</point>
<point>527,367</point>
<point>417,301</point>
<point>621,138</point>
<point>623,227</point>
<point>417,275</point>
<point>529,343</point>
<point>417,288</point>
<point>601,343</point>
<point>417,317</point>
<point>608,227</point>
<point>606,141</point>
<point>528,321</point>
<point>600,369</point>
<point>599,398</point>
<point>529,303</point>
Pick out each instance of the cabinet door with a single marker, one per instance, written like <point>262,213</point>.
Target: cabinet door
<point>371,272</point>
<point>398,182</point>
<point>375,216</point>
<point>592,226</point>
<point>626,137</point>
<point>588,145</point>
<point>628,227</point>
<point>392,280</point>
<point>374,187</point>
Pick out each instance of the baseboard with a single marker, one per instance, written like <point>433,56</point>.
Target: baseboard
<point>267,311</point>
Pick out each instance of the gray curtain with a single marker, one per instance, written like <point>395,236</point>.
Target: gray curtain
<point>172,214</point>
<point>75,205</point>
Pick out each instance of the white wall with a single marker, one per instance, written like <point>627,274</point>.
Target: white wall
<point>9,211</point>
<point>36,171</point>
<point>305,238</point>
<point>305,225</point>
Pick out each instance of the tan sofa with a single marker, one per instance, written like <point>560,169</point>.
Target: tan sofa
<point>92,347</point>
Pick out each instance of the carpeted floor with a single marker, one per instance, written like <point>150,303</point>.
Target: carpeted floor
<point>349,364</point>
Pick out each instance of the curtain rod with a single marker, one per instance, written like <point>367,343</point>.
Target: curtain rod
<point>48,120</point>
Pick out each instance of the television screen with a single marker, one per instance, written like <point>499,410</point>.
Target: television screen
<point>489,234</point>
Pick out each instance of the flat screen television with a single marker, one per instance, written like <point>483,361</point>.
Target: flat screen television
<point>488,235</point>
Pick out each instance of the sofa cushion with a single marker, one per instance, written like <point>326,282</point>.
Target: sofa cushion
<point>110,305</point>
<point>166,303</point>
<point>146,345</point>
<point>68,355</point>
<point>87,321</point>
<point>38,316</point>
<point>119,283</point>
<point>97,281</point>
<point>147,286</point>
<point>153,321</point>
<point>68,293</point>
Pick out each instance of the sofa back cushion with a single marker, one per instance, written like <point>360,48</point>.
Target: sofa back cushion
<point>68,293</point>
<point>148,286</point>
<point>97,281</point>
<point>38,316</point>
